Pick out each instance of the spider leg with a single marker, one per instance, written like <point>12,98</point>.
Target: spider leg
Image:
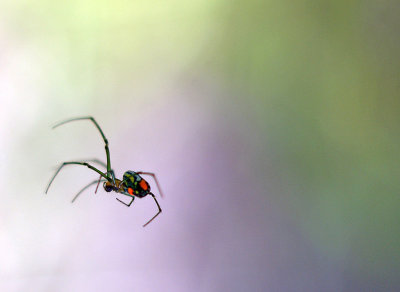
<point>101,132</point>
<point>78,163</point>
<point>95,160</point>
<point>97,185</point>
<point>159,210</point>
<point>98,161</point>
<point>128,205</point>
<point>155,179</point>
<point>92,183</point>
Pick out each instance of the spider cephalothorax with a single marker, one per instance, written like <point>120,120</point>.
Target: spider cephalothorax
<point>132,184</point>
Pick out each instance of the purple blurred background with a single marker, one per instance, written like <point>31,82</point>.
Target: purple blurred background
<point>272,127</point>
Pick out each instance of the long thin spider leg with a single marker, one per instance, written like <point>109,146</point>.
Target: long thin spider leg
<point>155,179</point>
<point>95,160</point>
<point>128,205</point>
<point>89,185</point>
<point>101,132</point>
<point>98,161</point>
<point>78,163</point>
<point>97,185</point>
<point>159,210</point>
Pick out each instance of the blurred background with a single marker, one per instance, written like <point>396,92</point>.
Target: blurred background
<point>273,128</point>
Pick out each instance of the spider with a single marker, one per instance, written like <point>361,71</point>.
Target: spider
<point>131,185</point>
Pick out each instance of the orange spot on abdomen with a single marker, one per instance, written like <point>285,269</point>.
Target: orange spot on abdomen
<point>143,184</point>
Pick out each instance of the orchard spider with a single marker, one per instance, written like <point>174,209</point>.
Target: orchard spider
<point>131,185</point>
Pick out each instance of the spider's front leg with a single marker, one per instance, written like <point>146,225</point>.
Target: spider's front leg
<point>98,128</point>
<point>76,163</point>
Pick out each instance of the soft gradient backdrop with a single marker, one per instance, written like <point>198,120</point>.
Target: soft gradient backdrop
<point>273,127</point>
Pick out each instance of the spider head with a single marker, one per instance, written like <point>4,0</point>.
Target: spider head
<point>108,187</point>
<point>135,184</point>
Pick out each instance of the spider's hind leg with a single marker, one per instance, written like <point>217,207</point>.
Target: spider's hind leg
<point>155,179</point>
<point>159,210</point>
<point>130,203</point>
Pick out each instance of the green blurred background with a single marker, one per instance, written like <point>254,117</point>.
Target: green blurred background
<point>309,88</point>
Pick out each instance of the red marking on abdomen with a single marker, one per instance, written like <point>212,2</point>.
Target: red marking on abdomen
<point>143,184</point>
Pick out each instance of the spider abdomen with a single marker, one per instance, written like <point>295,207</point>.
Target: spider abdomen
<point>135,184</point>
